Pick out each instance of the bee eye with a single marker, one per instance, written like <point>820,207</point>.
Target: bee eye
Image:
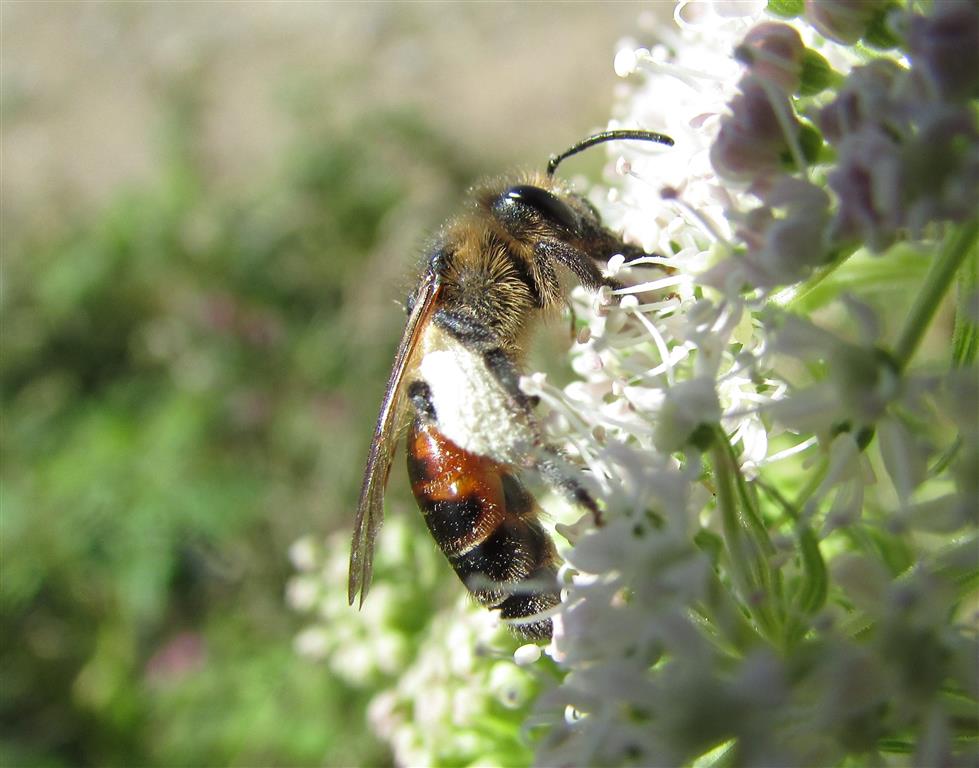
<point>548,206</point>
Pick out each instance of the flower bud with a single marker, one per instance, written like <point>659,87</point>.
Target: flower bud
<point>844,21</point>
<point>774,52</point>
<point>751,142</point>
<point>945,47</point>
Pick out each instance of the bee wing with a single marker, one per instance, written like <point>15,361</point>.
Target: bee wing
<point>370,508</point>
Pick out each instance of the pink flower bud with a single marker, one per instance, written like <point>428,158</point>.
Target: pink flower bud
<point>867,181</point>
<point>751,141</point>
<point>866,98</point>
<point>774,52</point>
<point>945,47</point>
<point>784,246</point>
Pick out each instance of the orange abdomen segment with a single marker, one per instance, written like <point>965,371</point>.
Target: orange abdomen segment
<point>484,520</point>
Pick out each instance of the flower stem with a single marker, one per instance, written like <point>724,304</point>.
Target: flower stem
<point>794,297</point>
<point>953,254</point>
<point>750,565</point>
<point>965,333</point>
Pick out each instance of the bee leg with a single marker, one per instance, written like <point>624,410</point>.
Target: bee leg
<point>580,264</point>
<point>550,468</point>
<point>505,372</point>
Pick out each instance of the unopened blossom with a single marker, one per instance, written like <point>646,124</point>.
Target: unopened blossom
<point>754,138</point>
<point>774,53</point>
<point>863,379</point>
<point>940,169</point>
<point>905,159</point>
<point>844,21</point>
<point>944,47</point>
<point>904,456</point>
<point>866,180</point>
<point>900,166</point>
<point>871,96</point>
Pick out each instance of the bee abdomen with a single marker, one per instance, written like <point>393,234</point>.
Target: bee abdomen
<point>484,521</point>
<point>519,606</point>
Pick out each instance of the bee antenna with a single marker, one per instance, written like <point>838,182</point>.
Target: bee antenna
<point>601,138</point>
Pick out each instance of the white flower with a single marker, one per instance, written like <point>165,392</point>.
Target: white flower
<point>688,405</point>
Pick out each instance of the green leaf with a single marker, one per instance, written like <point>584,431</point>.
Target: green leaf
<point>787,9</point>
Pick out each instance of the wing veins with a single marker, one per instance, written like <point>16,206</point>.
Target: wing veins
<point>370,507</point>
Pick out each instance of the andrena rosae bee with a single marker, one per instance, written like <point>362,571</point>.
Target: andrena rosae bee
<point>506,262</point>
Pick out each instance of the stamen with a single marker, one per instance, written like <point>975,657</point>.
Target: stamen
<point>795,449</point>
<point>653,285</point>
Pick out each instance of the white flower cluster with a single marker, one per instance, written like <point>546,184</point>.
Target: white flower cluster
<point>785,501</point>
<point>374,646</point>
<point>463,698</point>
<point>449,688</point>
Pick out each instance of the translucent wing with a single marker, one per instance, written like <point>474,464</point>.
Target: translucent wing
<point>370,508</point>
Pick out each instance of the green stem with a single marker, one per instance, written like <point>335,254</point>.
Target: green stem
<point>749,504</point>
<point>811,594</point>
<point>965,334</point>
<point>806,289</point>
<point>722,610</point>
<point>937,281</point>
<point>749,564</point>
<point>727,504</point>
<point>814,479</point>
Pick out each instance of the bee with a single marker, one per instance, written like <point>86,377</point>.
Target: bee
<point>507,262</point>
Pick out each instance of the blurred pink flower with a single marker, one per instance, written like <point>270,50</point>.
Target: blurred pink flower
<point>180,656</point>
<point>945,48</point>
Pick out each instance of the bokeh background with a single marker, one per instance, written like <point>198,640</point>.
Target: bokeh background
<point>208,212</point>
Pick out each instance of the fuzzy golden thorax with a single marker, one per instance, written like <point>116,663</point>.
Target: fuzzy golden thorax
<point>513,255</point>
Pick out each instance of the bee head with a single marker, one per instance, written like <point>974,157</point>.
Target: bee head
<point>543,209</point>
<point>527,210</point>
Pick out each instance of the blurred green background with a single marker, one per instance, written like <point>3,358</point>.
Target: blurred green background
<point>208,213</point>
